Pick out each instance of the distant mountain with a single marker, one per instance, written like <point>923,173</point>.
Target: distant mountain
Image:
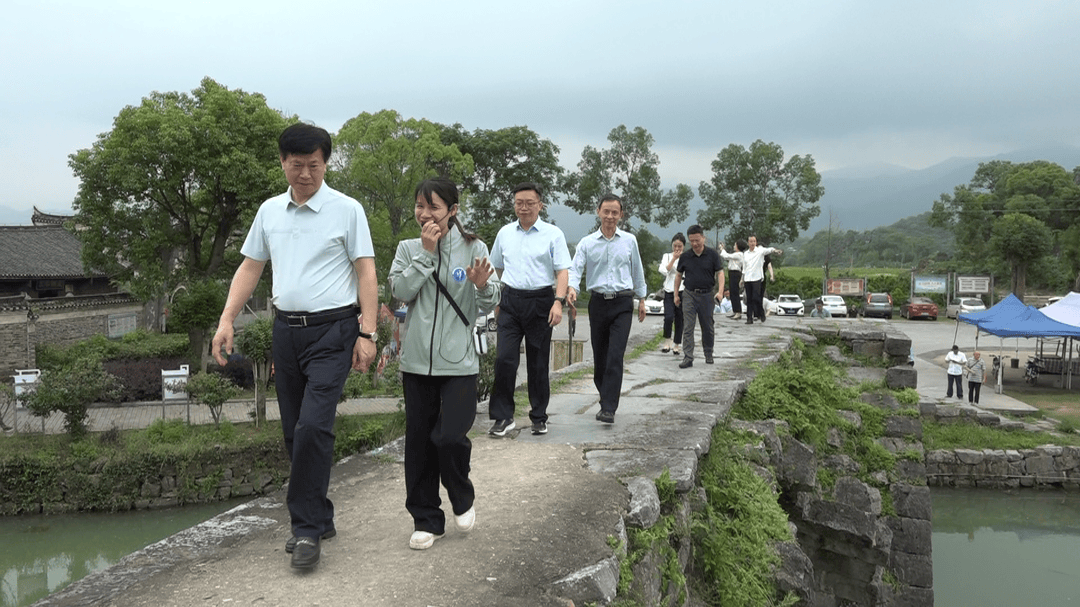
<point>877,195</point>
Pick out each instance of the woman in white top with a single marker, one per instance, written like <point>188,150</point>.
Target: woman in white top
<point>672,312</point>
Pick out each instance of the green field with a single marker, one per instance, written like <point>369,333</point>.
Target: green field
<point>799,272</point>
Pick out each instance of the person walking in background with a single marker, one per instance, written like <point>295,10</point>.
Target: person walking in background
<point>819,310</point>
<point>447,281</point>
<point>672,312</point>
<point>610,260</point>
<point>754,277</point>
<point>735,275</point>
<point>956,361</point>
<point>976,372</point>
<point>323,267</point>
<point>723,306</point>
<point>699,270</point>
<point>532,260</point>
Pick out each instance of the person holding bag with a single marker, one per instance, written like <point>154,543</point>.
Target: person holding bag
<point>447,281</point>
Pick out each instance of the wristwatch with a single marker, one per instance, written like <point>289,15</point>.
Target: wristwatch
<point>561,300</point>
<point>370,336</point>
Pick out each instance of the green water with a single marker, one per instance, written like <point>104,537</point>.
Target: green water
<point>42,554</point>
<point>1016,548</point>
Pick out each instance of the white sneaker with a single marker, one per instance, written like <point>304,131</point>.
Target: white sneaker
<point>466,521</point>
<point>422,540</point>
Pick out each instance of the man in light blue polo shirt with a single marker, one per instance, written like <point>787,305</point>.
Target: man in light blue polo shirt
<point>323,270</point>
<point>610,259</point>
<point>532,259</point>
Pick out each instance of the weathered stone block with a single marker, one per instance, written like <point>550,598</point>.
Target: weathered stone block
<point>841,463</point>
<point>862,334</point>
<point>870,349</point>
<point>852,417</point>
<point>852,491</point>
<point>987,419</point>
<point>910,535</point>
<point>897,345</point>
<point>903,426</point>
<point>969,457</point>
<point>898,378</point>
<point>913,569</point>
<point>912,501</point>
<point>644,503</point>
<point>796,571</point>
<point>798,469</point>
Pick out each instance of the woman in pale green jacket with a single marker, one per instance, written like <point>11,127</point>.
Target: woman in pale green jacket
<point>447,281</point>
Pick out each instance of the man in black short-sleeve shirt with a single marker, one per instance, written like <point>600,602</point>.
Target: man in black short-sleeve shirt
<point>698,271</point>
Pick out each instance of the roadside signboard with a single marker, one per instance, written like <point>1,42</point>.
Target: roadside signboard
<point>845,286</point>
<point>931,284</point>
<point>973,284</point>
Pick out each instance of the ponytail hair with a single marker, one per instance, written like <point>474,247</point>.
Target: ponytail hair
<point>448,191</point>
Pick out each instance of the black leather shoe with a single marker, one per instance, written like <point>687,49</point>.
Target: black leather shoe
<point>686,363</point>
<point>290,544</point>
<point>708,360</point>
<point>306,553</point>
<point>606,416</point>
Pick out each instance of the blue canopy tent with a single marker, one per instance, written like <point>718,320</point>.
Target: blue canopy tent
<point>1011,318</point>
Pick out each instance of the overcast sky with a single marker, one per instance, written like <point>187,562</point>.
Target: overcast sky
<point>850,83</point>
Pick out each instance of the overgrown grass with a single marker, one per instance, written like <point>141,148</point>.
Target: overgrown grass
<point>974,436</point>
<point>735,531</point>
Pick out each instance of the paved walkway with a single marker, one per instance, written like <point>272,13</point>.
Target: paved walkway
<point>140,415</point>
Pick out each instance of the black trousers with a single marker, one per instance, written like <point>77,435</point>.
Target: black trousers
<point>311,365</point>
<point>755,291</point>
<point>974,387</point>
<point>609,330</point>
<point>697,309</point>
<point>439,411</point>
<point>522,315</point>
<point>672,316</point>
<point>734,277</point>
<point>959,381</point>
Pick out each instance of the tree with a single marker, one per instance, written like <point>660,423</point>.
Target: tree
<point>71,390</point>
<point>1020,240</point>
<point>502,159</point>
<point>756,193</point>
<point>380,159</point>
<point>210,389</point>
<point>256,341</point>
<point>164,194</point>
<point>976,213</point>
<point>628,169</point>
<point>194,310</point>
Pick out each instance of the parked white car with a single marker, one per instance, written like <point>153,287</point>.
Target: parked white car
<point>835,305</point>
<point>963,305</point>
<point>654,303</point>
<point>788,305</point>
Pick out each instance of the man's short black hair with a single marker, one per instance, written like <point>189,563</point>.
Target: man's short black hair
<point>525,186</point>
<point>740,245</point>
<point>608,198</point>
<point>301,139</point>
<point>695,229</point>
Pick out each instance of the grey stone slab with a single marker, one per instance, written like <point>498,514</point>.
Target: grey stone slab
<point>858,375</point>
<point>623,463</point>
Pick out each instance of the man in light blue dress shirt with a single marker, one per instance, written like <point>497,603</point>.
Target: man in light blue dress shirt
<point>532,260</point>
<point>610,260</point>
<point>324,274</point>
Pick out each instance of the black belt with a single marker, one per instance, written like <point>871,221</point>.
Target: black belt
<point>541,292</point>
<point>603,295</point>
<point>700,291</point>
<point>308,319</point>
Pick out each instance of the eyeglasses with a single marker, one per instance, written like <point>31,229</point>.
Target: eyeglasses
<point>526,204</point>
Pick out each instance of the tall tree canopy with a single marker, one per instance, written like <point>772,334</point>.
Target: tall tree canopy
<point>1032,205</point>
<point>756,193</point>
<point>164,192</point>
<point>380,158</point>
<point>502,159</point>
<point>629,168</point>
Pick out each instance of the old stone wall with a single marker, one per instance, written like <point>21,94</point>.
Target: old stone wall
<point>60,322</point>
<point>855,544</point>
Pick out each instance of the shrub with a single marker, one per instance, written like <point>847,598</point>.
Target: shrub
<point>140,379</point>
